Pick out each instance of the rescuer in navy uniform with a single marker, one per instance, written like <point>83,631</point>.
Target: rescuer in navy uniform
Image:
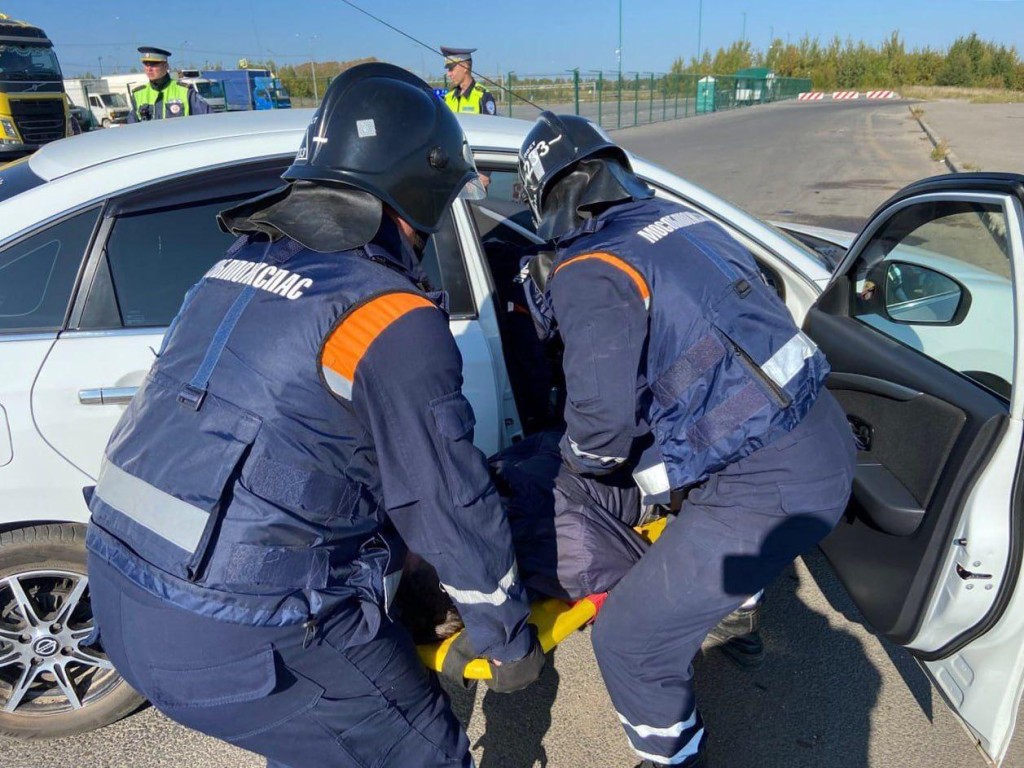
<point>686,370</point>
<point>162,97</point>
<point>466,96</point>
<point>304,418</point>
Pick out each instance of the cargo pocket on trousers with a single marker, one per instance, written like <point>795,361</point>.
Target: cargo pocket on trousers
<point>465,469</point>
<point>816,497</point>
<point>236,699</point>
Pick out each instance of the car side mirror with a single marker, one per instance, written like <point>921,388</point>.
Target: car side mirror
<point>917,295</point>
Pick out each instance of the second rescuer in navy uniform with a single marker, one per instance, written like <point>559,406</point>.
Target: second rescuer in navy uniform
<point>684,368</point>
<point>305,411</point>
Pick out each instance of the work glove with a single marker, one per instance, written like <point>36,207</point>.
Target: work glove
<point>506,676</point>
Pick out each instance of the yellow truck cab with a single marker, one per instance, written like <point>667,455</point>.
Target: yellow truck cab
<point>33,109</point>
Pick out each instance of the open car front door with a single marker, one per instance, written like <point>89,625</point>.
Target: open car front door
<point>922,326</point>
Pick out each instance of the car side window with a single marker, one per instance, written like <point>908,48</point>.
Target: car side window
<point>937,277</point>
<point>156,256</point>
<point>37,275</point>
<point>504,185</point>
<point>445,268</point>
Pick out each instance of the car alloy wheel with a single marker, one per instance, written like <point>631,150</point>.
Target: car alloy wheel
<point>45,666</point>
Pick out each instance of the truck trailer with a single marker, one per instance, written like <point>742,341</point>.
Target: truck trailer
<point>103,107</point>
<point>33,106</point>
<point>250,89</point>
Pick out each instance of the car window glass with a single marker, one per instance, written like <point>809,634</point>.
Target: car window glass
<point>442,261</point>
<point>155,257</point>
<point>937,277</point>
<point>503,185</point>
<point>37,275</point>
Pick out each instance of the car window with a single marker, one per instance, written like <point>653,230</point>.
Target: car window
<point>503,185</point>
<point>155,257</point>
<point>37,274</point>
<point>445,268</point>
<point>936,277</point>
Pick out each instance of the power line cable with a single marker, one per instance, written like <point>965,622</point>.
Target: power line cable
<point>436,51</point>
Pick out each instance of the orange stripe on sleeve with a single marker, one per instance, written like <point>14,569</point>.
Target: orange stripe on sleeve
<point>350,340</point>
<point>618,263</point>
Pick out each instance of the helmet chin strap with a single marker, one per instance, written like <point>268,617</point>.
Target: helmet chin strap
<point>588,189</point>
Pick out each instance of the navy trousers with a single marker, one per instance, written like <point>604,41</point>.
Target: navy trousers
<point>330,704</point>
<point>733,536</point>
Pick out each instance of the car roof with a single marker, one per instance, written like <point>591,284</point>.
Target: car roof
<point>61,158</point>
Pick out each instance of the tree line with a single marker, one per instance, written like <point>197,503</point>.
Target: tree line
<point>968,62</point>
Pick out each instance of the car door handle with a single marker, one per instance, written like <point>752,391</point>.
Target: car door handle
<point>107,395</point>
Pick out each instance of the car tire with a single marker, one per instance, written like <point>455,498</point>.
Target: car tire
<point>41,571</point>
<point>106,122</point>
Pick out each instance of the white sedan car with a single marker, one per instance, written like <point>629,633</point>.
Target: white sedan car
<point>101,235</point>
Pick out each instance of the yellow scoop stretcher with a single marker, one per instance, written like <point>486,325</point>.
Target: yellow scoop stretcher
<point>554,619</point>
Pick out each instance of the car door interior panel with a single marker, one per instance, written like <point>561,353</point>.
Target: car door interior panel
<point>923,430</point>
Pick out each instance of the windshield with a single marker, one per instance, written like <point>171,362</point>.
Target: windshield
<point>210,90</point>
<point>113,100</point>
<point>15,178</point>
<point>28,62</point>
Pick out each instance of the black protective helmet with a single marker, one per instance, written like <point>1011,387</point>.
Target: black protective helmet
<point>553,146</point>
<point>382,130</point>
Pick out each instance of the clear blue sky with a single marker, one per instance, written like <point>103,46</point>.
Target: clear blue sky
<point>528,36</point>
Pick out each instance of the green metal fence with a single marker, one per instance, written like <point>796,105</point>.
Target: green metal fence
<point>636,98</point>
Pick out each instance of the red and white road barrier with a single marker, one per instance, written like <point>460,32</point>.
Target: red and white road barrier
<point>810,96</point>
<point>845,95</point>
<point>881,95</point>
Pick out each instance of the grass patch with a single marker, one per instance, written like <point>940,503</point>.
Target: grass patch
<point>970,167</point>
<point>972,95</point>
<point>940,151</point>
<point>917,112</point>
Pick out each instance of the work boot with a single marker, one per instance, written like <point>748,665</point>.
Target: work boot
<point>738,636</point>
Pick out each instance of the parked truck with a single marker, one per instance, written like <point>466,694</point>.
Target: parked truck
<point>211,89</point>
<point>103,108</point>
<point>33,106</point>
<point>123,84</point>
<point>250,89</point>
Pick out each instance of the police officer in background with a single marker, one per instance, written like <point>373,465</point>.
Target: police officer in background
<point>162,97</point>
<point>466,96</point>
<point>304,418</point>
<point>684,368</point>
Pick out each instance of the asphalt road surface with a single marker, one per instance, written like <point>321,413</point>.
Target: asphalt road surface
<point>828,164</point>
<point>830,694</point>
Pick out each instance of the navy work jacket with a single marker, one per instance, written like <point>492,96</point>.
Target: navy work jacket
<point>305,406</point>
<point>679,358</point>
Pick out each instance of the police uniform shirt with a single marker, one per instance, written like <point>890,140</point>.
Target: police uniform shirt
<point>458,96</point>
<point>196,104</point>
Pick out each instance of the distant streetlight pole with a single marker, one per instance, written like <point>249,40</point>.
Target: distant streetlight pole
<point>618,51</point>
<point>700,23</point>
<point>312,68</point>
<point>100,60</point>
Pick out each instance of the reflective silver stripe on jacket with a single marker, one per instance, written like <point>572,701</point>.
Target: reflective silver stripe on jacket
<point>472,597</point>
<point>653,481</point>
<point>789,359</point>
<point>339,384</point>
<point>671,732</point>
<point>584,455</point>
<point>163,514</point>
